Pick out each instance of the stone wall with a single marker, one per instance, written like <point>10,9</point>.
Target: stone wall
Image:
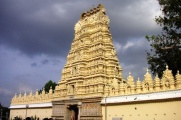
<point>162,110</point>
<point>31,112</point>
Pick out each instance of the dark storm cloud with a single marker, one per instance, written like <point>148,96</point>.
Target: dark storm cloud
<point>47,27</point>
<point>34,64</point>
<point>36,28</point>
<point>45,61</point>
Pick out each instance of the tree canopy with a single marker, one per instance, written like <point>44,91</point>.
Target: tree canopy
<point>48,85</point>
<point>166,47</point>
<point>4,111</point>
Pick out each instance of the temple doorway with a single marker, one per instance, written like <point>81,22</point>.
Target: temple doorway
<point>73,112</point>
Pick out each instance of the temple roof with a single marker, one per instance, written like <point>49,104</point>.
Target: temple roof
<point>143,97</point>
<point>30,105</point>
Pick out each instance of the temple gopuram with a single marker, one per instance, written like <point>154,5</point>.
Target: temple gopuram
<point>92,86</point>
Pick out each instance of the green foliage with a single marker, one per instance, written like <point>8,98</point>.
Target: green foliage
<point>166,47</point>
<point>48,85</point>
<point>5,111</point>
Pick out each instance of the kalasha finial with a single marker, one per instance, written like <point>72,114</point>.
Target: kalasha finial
<point>25,93</point>
<point>178,72</point>
<point>129,73</point>
<point>147,70</point>
<point>167,67</point>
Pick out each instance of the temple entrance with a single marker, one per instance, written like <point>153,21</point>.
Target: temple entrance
<point>73,112</point>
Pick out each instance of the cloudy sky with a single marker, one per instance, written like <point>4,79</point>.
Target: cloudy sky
<point>35,37</point>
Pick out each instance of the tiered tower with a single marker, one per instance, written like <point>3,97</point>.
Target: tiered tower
<point>92,69</point>
<point>92,62</point>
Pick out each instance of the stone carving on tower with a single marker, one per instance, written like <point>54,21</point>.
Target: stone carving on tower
<point>92,62</point>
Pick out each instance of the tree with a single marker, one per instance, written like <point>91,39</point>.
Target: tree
<point>166,47</point>
<point>48,85</point>
<point>4,111</point>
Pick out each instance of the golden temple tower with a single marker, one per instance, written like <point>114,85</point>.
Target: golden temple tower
<point>92,69</point>
<point>92,61</point>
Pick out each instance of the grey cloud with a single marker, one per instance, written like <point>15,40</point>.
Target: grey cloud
<point>45,61</point>
<point>34,64</point>
<point>48,27</point>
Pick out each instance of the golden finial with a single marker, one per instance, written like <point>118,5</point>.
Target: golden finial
<point>147,70</point>
<point>167,67</point>
<point>129,73</point>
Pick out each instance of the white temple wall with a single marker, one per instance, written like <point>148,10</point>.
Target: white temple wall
<point>31,112</point>
<point>161,110</point>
